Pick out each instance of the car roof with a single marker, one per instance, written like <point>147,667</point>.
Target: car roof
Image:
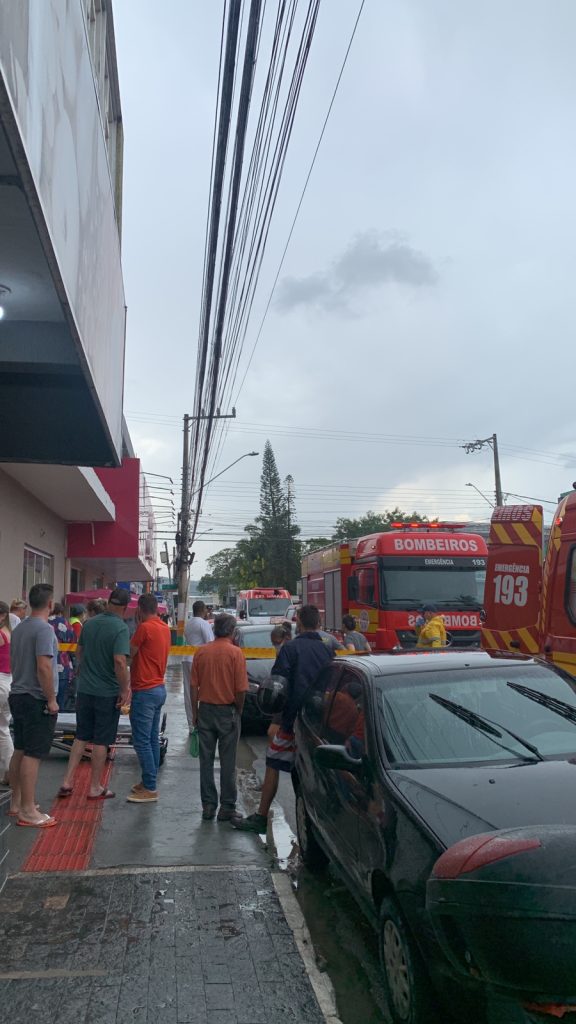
<point>381,665</point>
<point>254,626</point>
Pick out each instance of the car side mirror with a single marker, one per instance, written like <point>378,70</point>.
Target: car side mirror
<point>330,755</point>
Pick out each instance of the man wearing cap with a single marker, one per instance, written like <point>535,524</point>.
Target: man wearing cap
<point>103,687</point>
<point>432,633</point>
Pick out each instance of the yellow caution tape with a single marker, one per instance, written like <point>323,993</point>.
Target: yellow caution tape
<point>253,653</point>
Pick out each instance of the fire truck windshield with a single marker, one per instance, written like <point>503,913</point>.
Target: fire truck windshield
<point>411,586</point>
<point>268,606</point>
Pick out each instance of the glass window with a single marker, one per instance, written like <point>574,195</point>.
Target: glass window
<point>571,586</point>
<point>76,580</point>
<point>254,637</point>
<point>268,606</point>
<point>344,719</point>
<point>421,727</point>
<point>414,585</point>
<point>362,587</point>
<point>38,568</point>
<point>319,696</point>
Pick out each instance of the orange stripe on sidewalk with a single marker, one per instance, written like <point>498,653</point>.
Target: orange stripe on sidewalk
<point>68,846</point>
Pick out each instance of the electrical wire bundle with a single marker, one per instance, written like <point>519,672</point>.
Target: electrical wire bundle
<point>237,229</point>
<point>243,197</point>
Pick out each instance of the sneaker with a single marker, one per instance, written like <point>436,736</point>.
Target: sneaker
<point>227,814</point>
<point>143,796</point>
<point>208,813</point>
<point>253,823</point>
<point>138,787</point>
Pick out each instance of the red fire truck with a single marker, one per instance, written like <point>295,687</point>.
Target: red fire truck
<point>263,604</point>
<point>530,605</point>
<point>384,579</point>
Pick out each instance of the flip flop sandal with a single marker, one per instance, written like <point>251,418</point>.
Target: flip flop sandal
<point>47,822</point>
<point>106,794</point>
<point>16,814</point>
<point>64,791</point>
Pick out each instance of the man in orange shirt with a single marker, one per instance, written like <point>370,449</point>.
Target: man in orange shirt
<point>149,648</point>
<point>219,682</point>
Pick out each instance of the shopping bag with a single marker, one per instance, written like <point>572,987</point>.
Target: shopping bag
<point>194,743</point>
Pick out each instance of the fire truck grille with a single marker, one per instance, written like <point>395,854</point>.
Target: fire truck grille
<point>457,638</point>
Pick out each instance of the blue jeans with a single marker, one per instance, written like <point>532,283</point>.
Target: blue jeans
<point>145,719</point>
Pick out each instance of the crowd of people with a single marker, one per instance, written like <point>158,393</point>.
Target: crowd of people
<point>112,671</point>
<point>35,678</point>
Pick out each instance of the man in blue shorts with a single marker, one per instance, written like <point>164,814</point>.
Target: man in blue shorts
<point>299,661</point>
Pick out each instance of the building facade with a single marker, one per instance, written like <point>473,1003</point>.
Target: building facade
<point>74,508</point>
<point>62,330</point>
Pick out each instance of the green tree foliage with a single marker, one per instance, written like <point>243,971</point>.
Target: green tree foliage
<point>275,533</point>
<point>373,522</point>
<point>269,555</point>
<point>314,543</point>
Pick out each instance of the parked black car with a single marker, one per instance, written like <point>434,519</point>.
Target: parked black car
<point>399,758</point>
<point>258,669</point>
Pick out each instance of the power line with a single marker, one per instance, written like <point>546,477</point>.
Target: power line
<point>302,195</point>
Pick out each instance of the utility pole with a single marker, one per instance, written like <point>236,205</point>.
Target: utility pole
<point>181,568</point>
<point>497,478</point>
<point>184,557</point>
<point>490,442</point>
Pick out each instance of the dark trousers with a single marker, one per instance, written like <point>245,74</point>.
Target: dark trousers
<point>218,724</point>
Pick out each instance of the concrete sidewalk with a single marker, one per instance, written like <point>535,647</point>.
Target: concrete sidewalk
<point>198,946</point>
<point>177,921</point>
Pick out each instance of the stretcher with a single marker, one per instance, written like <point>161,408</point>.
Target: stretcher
<point>65,733</point>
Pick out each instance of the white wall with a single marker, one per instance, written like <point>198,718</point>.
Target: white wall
<point>46,69</point>
<point>24,521</point>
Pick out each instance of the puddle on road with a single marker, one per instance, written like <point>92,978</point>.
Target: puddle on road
<point>285,843</point>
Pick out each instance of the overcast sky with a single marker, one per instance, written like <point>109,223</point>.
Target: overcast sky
<point>428,291</point>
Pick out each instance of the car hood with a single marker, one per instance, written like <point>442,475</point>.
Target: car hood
<point>461,802</point>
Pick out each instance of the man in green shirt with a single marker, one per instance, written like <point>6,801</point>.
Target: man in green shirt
<point>103,687</point>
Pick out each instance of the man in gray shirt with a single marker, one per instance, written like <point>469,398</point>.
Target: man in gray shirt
<point>33,704</point>
<point>197,632</point>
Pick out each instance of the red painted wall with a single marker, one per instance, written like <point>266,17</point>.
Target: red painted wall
<point>118,539</point>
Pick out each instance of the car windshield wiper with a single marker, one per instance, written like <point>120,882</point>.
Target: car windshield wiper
<point>559,707</point>
<point>486,725</point>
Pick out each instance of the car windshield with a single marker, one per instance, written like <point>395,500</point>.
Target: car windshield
<point>255,637</point>
<point>268,606</point>
<point>446,717</point>
<point>414,585</point>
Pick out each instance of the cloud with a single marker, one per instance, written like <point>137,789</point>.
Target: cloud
<point>372,260</point>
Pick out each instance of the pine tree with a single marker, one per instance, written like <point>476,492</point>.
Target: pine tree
<point>277,529</point>
<point>272,497</point>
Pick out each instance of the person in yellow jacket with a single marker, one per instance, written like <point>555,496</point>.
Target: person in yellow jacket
<point>432,632</point>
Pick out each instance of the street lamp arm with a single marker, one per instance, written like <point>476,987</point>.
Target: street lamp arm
<point>225,470</point>
<point>482,495</point>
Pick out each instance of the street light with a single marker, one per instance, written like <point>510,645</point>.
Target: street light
<point>482,495</point>
<point>225,470</point>
<point>478,445</point>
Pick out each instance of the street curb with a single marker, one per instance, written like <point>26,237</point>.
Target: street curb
<point>321,984</point>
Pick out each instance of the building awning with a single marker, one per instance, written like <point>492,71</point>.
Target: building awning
<point>73,493</point>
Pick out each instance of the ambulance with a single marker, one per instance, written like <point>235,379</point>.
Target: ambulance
<point>530,602</point>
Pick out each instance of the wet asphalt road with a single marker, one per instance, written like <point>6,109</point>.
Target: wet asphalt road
<point>343,939</point>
